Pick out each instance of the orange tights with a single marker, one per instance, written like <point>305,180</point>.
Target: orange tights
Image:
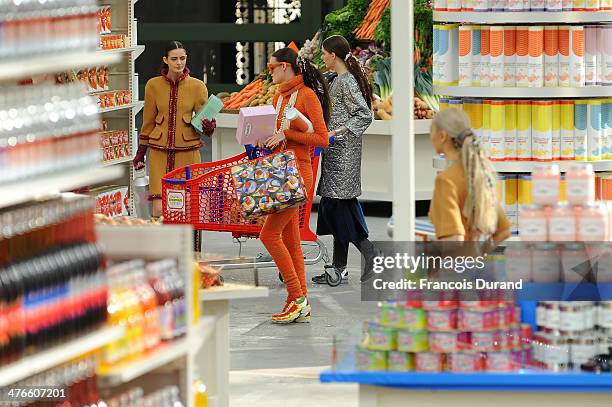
<point>281,237</point>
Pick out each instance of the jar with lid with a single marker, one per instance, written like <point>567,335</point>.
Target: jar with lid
<point>533,223</point>
<point>582,349</point>
<point>592,223</point>
<point>556,353</point>
<point>605,342</point>
<point>541,310</point>
<point>545,180</point>
<point>553,316</point>
<point>580,179</point>
<point>590,315</point>
<point>518,262</point>
<point>572,316</point>
<point>574,262</point>
<point>545,263</point>
<point>605,314</point>
<point>562,224</point>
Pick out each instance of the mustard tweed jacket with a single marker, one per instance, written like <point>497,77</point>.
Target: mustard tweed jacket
<point>168,109</point>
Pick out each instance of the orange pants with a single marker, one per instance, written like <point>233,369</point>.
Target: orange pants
<point>281,237</point>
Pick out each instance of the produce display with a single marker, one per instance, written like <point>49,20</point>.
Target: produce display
<point>367,26</point>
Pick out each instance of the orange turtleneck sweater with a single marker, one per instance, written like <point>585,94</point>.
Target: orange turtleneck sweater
<point>308,104</point>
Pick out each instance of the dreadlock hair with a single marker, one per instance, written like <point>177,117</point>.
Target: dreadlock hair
<point>312,76</point>
<point>482,205</point>
<point>338,45</point>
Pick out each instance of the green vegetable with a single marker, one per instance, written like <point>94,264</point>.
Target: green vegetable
<point>423,27</point>
<point>383,30</point>
<point>345,20</point>
<point>382,77</point>
<point>423,88</point>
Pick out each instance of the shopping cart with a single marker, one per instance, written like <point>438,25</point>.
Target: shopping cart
<point>204,196</point>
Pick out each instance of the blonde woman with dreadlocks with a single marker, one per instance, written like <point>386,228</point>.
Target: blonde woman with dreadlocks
<point>465,205</point>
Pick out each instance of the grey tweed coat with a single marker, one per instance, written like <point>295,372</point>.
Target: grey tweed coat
<point>341,162</point>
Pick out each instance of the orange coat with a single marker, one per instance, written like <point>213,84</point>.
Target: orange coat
<point>168,111</point>
<point>308,104</point>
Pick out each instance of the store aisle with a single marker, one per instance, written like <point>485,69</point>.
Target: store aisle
<point>293,355</point>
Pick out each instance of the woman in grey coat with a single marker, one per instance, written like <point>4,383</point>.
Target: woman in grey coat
<point>340,213</point>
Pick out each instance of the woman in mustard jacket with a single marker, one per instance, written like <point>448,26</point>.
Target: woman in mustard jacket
<point>171,99</point>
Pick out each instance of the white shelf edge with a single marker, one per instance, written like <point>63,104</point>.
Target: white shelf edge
<point>137,50</point>
<point>57,355</point>
<point>45,185</point>
<point>110,163</point>
<point>527,166</point>
<point>137,106</point>
<point>522,93</point>
<point>187,345</point>
<point>382,127</point>
<point>487,17</point>
<point>233,292</point>
<point>41,64</point>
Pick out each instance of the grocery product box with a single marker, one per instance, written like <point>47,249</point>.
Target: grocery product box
<point>112,201</point>
<point>209,111</point>
<point>255,124</point>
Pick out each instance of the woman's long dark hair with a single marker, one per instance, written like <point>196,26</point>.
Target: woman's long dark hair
<point>338,45</point>
<point>171,46</point>
<point>312,76</point>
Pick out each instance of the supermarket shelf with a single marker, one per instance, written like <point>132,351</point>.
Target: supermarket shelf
<point>524,380</point>
<point>523,17</point>
<point>383,127</point>
<point>137,106</point>
<point>233,292</point>
<point>137,50</point>
<point>520,93</point>
<point>528,166</point>
<point>188,345</point>
<point>117,161</point>
<point>40,64</point>
<point>47,359</point>
<point>41,186</point>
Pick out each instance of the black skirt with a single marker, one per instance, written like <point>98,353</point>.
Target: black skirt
<point>342,218</point>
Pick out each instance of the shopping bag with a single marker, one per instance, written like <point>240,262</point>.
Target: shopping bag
<point>269,184</point>
<point>254,152</point>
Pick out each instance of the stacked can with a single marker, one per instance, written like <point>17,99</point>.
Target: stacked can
<point>522,5</point>
<point>522,56</point>
<point>541,130</point>
<point>571,333</point>
<point>446,334</point>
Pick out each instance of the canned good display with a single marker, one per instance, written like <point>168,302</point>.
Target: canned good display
<point>443,338</point>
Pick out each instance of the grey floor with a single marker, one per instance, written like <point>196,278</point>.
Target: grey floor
<point>276,365</point>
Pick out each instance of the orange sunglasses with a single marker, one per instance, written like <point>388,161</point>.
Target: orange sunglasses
<point>273,66</point>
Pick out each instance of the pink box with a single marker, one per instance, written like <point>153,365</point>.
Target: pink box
<point>255,124</point>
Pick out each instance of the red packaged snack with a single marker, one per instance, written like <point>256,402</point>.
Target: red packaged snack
<point>505,361</point>
<point>442,320</point>
<point>478,320</point>
<point>429,362</point>
<point>447,342</point>
<point>465,362</point>
<point>485,341</point>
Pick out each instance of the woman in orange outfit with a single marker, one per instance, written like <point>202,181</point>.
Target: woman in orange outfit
<point>301,86</point>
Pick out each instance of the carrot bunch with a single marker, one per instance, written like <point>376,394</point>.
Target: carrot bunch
<point>242,98</point>
<point>367,28</point>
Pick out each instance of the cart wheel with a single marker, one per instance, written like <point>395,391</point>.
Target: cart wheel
<point>280,277</point>
<point>333,277</point>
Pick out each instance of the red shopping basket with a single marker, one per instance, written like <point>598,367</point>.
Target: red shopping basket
<point>204,196</point>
